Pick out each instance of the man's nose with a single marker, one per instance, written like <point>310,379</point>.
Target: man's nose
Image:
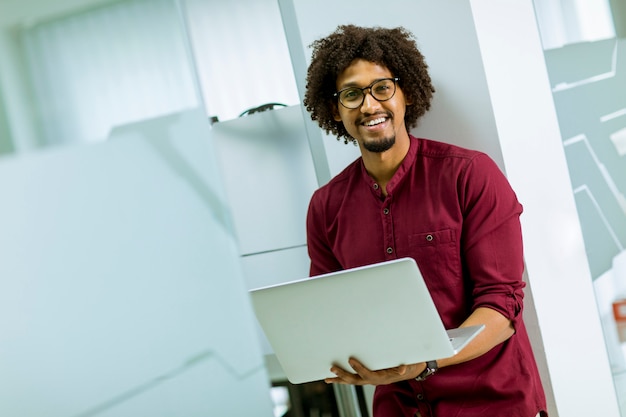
<point>369,102</point>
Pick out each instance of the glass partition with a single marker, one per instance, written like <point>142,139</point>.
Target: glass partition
<point>586,63</point>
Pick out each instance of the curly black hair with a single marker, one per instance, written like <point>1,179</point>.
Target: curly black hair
<point>394,49</point>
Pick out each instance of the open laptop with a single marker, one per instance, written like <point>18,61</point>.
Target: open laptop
<point>381,314</point>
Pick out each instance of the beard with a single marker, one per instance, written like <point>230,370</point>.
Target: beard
<point>381,145</point>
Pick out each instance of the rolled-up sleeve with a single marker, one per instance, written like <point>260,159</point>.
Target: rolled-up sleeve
<point>492,238</point>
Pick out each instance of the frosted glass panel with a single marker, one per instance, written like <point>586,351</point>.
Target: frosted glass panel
<point>106,67</point>
<point>121,291</point>
<point>591,112</point>
<point>589,88</point>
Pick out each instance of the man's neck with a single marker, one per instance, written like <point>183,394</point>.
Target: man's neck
<point>381,166</point>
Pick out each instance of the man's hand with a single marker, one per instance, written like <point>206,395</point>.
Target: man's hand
<point>498,329</point>
<point>364,376</point>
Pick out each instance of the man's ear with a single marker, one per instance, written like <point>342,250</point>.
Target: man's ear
<point>335,111</point>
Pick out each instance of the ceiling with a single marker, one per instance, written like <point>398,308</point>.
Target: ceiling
<point>29,12</point>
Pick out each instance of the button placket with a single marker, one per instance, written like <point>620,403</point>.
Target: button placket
<point>388,227</point>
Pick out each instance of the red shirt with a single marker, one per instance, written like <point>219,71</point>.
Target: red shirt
<point>454,212</point>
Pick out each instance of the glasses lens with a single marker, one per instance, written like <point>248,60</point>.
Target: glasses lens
<point>351,97</point>
<point>384,89</point>
<point>381,90</point>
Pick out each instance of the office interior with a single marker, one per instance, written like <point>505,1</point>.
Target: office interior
<point>156,163</point>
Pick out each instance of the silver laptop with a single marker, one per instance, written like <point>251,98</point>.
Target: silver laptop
<point>381,314</point>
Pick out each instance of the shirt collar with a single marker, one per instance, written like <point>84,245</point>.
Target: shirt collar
<point>404,167</point>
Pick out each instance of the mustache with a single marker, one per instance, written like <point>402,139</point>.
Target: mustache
<point>374,115</point>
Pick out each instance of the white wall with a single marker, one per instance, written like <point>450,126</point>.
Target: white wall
<point>461,95</point>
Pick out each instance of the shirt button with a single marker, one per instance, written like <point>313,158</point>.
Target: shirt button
<point>420,397</point>
<point>429,238</point>
<point>376,186</point>
<point>390,250</point>
<point>385,211</point>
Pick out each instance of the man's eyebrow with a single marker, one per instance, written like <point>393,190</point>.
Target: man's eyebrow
<point>348,85</point>
<point>355,84</point>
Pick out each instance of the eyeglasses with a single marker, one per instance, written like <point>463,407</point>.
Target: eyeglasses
<point>381,90</point>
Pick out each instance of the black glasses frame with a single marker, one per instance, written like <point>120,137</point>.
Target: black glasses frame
<point>369,87</point>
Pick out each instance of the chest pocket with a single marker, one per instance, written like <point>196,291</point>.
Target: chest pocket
<point>437,255</point>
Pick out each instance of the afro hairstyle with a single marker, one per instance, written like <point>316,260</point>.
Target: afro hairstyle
<point>393,48</point>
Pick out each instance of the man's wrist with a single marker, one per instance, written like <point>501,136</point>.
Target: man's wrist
<point>429,370</point>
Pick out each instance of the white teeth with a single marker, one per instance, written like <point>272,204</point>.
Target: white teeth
<point>375,121</point>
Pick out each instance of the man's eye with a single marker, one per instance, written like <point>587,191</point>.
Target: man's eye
<point>351,94</point>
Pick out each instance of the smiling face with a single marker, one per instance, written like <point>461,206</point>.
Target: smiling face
<point>376,125</point>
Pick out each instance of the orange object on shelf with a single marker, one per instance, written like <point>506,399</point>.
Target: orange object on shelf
<point>619,313</point>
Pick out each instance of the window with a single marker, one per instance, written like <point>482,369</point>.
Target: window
<point>563,22</point>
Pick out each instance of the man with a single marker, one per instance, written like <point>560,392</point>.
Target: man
<point>449,208</point>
